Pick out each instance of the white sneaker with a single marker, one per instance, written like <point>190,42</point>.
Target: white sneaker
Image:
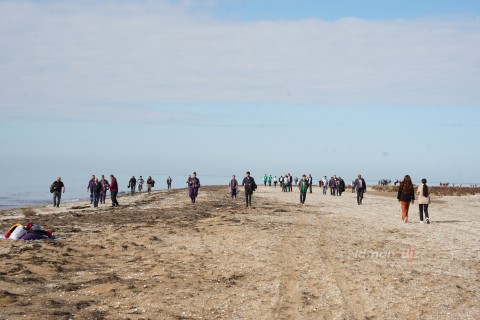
<point>421,221</point>
<point>406,220</point>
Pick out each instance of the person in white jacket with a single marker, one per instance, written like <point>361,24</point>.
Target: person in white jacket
<point>423,193</point>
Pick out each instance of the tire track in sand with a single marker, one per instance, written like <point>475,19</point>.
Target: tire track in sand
<point>310,238</point>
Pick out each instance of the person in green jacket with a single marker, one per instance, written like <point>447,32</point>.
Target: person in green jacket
<point>270,181</point>
<point>303,186</point>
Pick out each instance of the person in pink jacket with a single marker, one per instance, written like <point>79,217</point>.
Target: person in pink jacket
<point>423,193</point>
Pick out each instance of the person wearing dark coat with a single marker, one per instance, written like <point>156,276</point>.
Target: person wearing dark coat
<point>405,196</point>
<point>193,186</point>
<point>250,186</point>
<point>97,188</point>
<point>360,187</point>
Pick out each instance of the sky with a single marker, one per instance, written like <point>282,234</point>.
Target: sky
<point>382,88</point>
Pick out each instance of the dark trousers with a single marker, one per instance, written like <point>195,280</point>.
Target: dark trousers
<point>303,196</point>
<point>132,188</point>
<point>96,198</point>
<point>233,193</point>
<point>248,197</point>
<point>325,190</point>
<point>422,208</point>
<point>56,198</point>
<point>91,197</point>
<point>113,195</point>
<point>310,187</point>
<point>103,196</point>
<point>359,196</point>
<point>193,193</point>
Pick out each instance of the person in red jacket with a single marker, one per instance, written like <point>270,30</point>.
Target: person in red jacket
<point>114,190</point>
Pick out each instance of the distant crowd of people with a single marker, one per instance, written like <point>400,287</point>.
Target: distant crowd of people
<point>384,182</point>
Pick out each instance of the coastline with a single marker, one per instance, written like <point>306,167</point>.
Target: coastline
<point>162,257</point>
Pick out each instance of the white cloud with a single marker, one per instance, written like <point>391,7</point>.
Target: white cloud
<point>63,55</point>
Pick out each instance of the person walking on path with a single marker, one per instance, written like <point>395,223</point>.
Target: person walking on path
<point>265,179</point>
<point>57,188</point>
<point>96,189</point>
<point>89,188</point>
<point>150,184</point>
<point>131,184</point>
<point>140,183</point>
<point>290,183</point>
<point>341,186</point>
<point>114,190</point>
<point>250,186</point>
<point>333,185</point>
<point>405,196</point>
<point>169,183</point>
<point>303,186</point>
<point>423,193</point>
<point>275,181</point>
<point>105,187</point>
<point>193,185</point>
<point>325,184</point>
<point>360,187</point>
<point>233,185</point>
<point>270,180</point>
<point>310,182</point>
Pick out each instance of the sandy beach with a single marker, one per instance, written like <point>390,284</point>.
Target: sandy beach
<point>160,257</point>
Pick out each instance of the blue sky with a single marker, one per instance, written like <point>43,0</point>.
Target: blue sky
<point>383,88</point>
<point>333,10</point>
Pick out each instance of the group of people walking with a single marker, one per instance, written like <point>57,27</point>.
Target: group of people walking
<point>249,185</point>
<point>139,183</point>
<point>406,194</point>
<point>336,185</point>
<point>98,190</point>
<point>96,187</point>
